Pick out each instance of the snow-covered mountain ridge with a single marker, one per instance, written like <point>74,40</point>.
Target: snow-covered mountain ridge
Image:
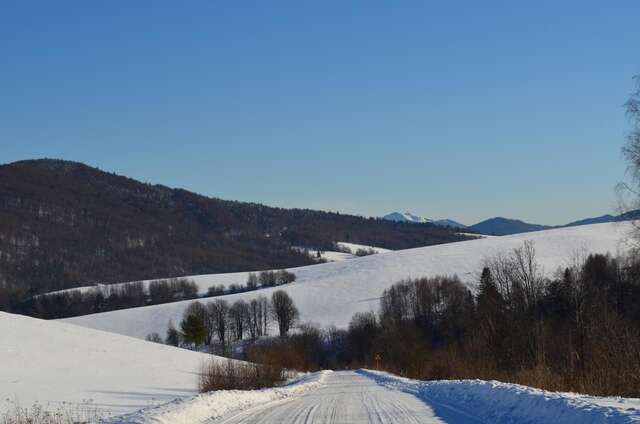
<point>415,219</point>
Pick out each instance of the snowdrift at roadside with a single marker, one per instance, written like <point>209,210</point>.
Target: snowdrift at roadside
<point>496,402</point>
<point>213,405</point>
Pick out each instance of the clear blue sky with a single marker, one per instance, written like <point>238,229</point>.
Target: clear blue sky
<point>451,109</point>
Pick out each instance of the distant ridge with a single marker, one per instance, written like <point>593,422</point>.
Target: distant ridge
<point>65,223</point>
<point>449,223</point>
<point>627,216</point>
<point>415,219</point>
<point>406,217</point>
<point>500,226</point>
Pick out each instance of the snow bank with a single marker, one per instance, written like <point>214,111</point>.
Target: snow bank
<point>496,402</point>
<point>331,293</point>
<point>209,406</point>
<point>58,364</point>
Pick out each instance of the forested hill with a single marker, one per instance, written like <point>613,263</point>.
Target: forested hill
<point>64,223</point>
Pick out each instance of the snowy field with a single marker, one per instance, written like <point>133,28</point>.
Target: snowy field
<point>58,364</point>
<point>331,256</point>
<point>330,293</point>
<point>205,281</point>
<point>54,363</point>
<point>374,397</point>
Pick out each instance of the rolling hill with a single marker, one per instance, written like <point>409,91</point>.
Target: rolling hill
<point>65,223</point>
<point>500,226</point>
<point>66,366</point>
<point>329,294</point>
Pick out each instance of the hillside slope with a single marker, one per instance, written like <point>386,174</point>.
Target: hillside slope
<point>65,223</point>
<point>627,216</point>
<point>331,293</point>
<point>52,362</point>
<point>504,226</point>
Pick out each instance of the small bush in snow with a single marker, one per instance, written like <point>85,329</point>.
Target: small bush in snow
<point>365,252</point>
<point>154,337</point>
<point>215,291</point>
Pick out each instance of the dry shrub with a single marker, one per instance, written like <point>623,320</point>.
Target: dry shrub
<point>66,413</point>
<point>276,354</point>
<point>233,375</point>
<point>541,376</point>
<point>303,351</point>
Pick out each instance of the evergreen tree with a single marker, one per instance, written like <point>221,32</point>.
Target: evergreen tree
<point>193,329</point>
<point>490,307</point>
<point>173,335</point>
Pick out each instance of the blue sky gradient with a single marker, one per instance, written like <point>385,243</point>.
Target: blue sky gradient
<point>464,110</point>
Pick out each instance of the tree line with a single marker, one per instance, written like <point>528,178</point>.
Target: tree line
<point>577,331</point>
<point>70,303</point>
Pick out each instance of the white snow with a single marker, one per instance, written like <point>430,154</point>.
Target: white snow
<point>54,363</point>
<point>331,293</point>
<point>405,217</point>
<point>214,405</point>
<point>496,402</point>
<point>332,256</point>
<point>349,397</point>
<point>207,280</point>
<point>354,247</point>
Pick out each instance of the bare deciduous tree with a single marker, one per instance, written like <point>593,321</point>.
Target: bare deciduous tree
<point>629,192</point>
<point>218,311</point>
<point>284,311</point>
<point>239,314</point>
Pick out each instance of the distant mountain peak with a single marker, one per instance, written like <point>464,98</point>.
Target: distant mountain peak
<point>415,219</point>
<point>405,217</point>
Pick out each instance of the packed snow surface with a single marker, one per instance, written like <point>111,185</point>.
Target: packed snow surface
<point>225,403</point>
<point>478,401</point>
<point>331,293</point>
<point>54,363</point>
<point>363,396</point>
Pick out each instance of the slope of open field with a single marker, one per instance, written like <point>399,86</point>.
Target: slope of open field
<point>331,293</point>
<point>57,364</point>
<point>205,281</point>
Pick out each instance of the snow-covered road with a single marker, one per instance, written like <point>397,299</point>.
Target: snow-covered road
<point>346,397</point>
<point>365,396</point>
